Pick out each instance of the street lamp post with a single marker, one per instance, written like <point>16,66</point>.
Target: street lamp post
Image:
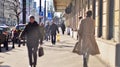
<point>45,12</point>
<point>40,12</point>
<point>24,11</point>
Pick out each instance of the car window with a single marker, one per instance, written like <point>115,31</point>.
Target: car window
<point>21,27</point>
<point>0,31</point>
<point>5,29</point>
<point>1,28</point>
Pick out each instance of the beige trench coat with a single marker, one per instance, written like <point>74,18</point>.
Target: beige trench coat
<point>87,42</point>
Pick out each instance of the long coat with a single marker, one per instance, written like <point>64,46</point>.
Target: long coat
<point>86,42</point>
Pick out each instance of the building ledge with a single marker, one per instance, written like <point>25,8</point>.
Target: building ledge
<point>110,42</point>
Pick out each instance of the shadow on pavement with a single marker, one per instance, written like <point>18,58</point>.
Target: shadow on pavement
<point>3,50</point>
<point>66,42</point>
<point>59,46</point>
<point>4,66</point>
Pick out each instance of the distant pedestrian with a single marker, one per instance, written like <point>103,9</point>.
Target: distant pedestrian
<point>68,30</point>
<point>42,30</point>
<point>63,28</point>
<point>32,32</point>
<point>47,32</point>
<point>53,30</point>
<point>87,44</point>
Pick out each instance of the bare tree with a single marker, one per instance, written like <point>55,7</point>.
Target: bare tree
<point>14,5</point>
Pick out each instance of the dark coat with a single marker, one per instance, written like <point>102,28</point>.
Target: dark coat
<point>32,32</point>
<point>54,29</point>
<point>47,29</point>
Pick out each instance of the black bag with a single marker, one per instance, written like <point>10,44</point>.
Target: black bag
<point>40,52</point>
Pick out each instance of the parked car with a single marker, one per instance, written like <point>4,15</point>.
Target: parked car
<point>15,35</point>
<point>5,35</point>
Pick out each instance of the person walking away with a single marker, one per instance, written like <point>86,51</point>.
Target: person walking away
<point>63,28</point>
<point>32,33</point>
<point>47,30</point>
<point>42,29</point>
<point>53,30</point>
<point>87,44</point>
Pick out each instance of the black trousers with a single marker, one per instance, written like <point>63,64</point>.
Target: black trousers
<point>32,52</point>
<point>41,40</point>
<point>6,44</point>
<point>53,38</point>
<point>63,32</point>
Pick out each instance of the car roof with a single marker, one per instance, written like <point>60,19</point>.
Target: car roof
<point>4,26</point>
<point>21,25</point>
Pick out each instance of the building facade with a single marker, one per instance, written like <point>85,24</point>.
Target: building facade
<point>107,16</point>
<point>31,10</point>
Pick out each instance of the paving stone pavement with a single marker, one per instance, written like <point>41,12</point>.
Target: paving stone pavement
<point>59,55</point>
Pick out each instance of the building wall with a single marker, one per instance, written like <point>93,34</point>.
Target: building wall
<point>116,21</point>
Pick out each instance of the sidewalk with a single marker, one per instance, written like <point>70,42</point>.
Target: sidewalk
<point>59,55</point>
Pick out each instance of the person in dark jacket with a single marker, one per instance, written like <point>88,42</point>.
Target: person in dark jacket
<point>33,34</point>
<point>53,30</point>
<point>42,29</point>
<point>63,28</point>
<point>47,30</point>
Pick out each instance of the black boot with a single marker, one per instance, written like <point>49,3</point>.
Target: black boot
<point>13,46</point>
<point>85,63</point>
<point>34,65</point>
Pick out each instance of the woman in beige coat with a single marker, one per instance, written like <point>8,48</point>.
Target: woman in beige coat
<point>87,44</point>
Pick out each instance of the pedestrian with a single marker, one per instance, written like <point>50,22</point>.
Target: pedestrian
<point>42,29</point>
<point>15,35</point>
<point>68,30</point>
<point>63,28</point>
<point>86,44</point>
<point>47,31</point>
<point>32,33</point>
<point>53,30</point>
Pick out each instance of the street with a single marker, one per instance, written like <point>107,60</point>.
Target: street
<point>59,55</point>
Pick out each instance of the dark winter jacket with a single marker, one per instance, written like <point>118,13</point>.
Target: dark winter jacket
<point>54,29</point>
<point>47,29</point>
<point>32,32</point>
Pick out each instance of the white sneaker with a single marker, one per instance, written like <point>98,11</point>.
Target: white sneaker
<point>29,66</point>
